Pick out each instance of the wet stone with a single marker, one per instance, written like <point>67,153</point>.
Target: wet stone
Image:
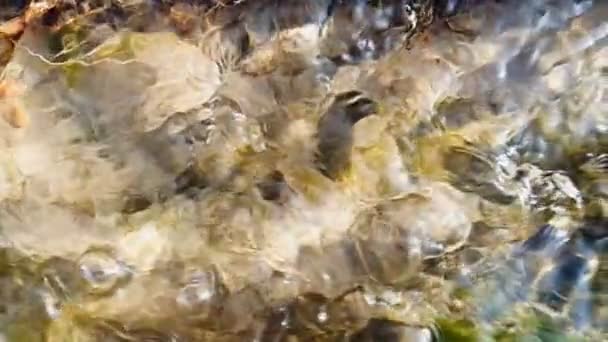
<point>390,331</point>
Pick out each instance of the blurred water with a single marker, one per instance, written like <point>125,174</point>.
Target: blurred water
<point>292,170</point>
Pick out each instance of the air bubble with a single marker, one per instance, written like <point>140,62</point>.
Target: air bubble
<point>101,271</point>
<point>199,292</point>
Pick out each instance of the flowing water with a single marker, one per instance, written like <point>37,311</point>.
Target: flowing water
<point>266,170</point>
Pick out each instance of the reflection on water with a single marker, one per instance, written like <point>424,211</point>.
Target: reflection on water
<point>401,170</point>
